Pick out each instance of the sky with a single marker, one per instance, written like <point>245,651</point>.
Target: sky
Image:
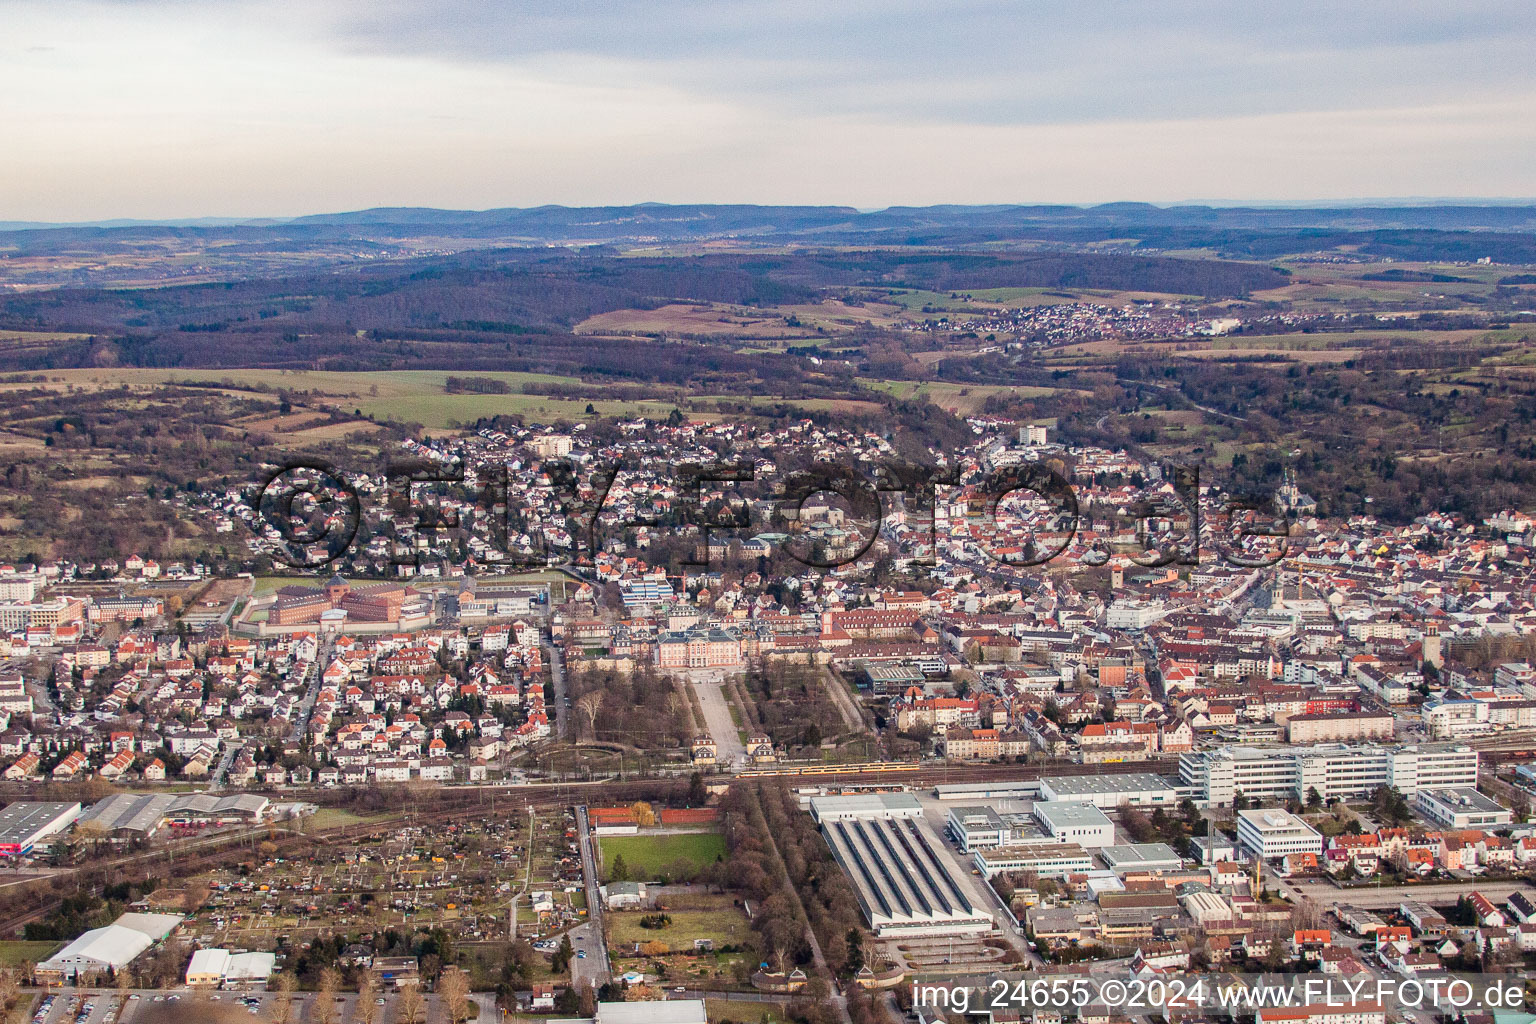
<point>253,108</point>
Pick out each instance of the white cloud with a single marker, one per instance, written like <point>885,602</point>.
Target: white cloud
<point>179,109</point>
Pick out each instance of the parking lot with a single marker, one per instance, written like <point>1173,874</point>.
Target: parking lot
<point>146,1006</point>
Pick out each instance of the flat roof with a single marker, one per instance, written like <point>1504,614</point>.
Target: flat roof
<point>1132,854</point>
<point>666,1011</point>
<point>1462,799</point>
<point>21,821</point>
<point>1070,813</point>
<point>865,804</point>
<point>1079,785</point>
<point>1274,821</point>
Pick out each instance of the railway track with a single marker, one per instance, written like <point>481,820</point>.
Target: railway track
<point>187,858</point>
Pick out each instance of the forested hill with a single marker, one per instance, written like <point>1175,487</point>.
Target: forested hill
<point>1507,232</point>
<point>495,297</point>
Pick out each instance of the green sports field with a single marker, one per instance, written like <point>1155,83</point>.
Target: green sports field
<point>647,857</point>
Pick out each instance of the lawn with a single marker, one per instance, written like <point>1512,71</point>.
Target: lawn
<point>18,952</point>
<point>649,857</point>
<point>336,817</point>
<point>721,1010</point>
<point>725,927</point>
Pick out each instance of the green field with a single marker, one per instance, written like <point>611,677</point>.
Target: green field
<point>721,1010</point>
<point>409,396</point>
<point>19,952</point>
<point>335,817</point>
<point>725,927</point>
<point>650,856</point>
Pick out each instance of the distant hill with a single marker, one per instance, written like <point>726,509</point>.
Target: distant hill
<point>1504,232</point>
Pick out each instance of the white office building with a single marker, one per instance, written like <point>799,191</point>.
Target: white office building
<point>1276,833</point>
<point>1461,808</point>
<point>1335,771</point>
<point>1077,822</point>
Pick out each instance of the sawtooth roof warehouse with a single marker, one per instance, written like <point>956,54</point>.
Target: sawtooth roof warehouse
<point>905,882</point>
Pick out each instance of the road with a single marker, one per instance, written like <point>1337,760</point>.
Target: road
<point>147,1006</point>
<point>730,751</point>
<point>936,816</point>
<point>588,938</point>
<point>557,677</point>
<point>312,676</point>
<point>1325,895</point>
<point>216,781</point>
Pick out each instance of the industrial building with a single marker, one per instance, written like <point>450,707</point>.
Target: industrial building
<point>905,882</point>
<point>1141,789</point>
<point>111,948</point>
<point>1076,821</point>
<point>1136,857</point>
<point>1461,808</point>
<point>1214,777</point>
<point>26,823</point>
<point>1276,833</point>
<point>127,815</point>
<point>825,809</point>
<point>1046,860</point>
<point>987,828</point>
<point>214,968</point>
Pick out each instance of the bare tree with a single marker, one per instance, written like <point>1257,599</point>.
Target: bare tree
<point>591,705</point>
<point>281,1011</point>
<point>367,992</point>
<point>325,996</point>
<point>411,1005</point>
<point>453,987</point>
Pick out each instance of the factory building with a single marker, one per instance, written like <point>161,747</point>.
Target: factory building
<point>905,882</point>
<point>25,824</point>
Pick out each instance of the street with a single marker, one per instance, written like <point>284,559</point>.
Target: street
<point>731,752</point>
<point>588,938</point>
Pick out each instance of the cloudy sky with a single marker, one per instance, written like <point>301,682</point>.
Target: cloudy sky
<point>186,108</point>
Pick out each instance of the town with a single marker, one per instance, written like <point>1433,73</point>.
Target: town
<point>1314,761</point>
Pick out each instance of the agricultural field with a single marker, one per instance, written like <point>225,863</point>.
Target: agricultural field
<point>961,399</point>
<point>719,1011</point>
<point>685,914</point>
<point>17,951</point>
<point>651,856</point>
<point>461,878</point>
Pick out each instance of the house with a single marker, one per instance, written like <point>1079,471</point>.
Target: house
<point>1521,907</point>
<point>1488,914</point>
<point>622,895</point>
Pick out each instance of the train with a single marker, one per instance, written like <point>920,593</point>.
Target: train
<point>869,767</point>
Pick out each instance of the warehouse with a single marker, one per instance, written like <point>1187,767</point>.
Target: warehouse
<point>1141,789</point>
<point>129,816</point>
<point>1135,857</point>
<point>904,882</point>
<point>111,948</point>
<point>126,816</point>
<point>211,968</point>
<point>864,806</point>
<point>202,809</point>
<point>26,823</point>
